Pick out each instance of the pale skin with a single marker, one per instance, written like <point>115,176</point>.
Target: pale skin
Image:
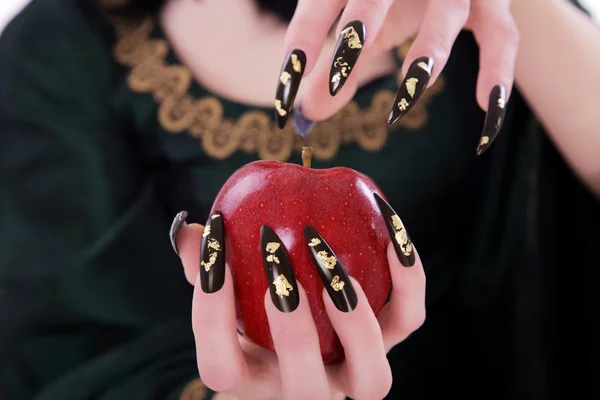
<point>547,47</point>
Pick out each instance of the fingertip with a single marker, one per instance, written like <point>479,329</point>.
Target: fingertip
<point>188,243</point>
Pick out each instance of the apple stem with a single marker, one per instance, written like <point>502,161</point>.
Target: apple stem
<point>307,153</point>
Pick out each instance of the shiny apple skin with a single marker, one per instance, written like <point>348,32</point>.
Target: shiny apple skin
<point>338,203</point>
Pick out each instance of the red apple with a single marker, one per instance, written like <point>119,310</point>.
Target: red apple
<point>337,202</point>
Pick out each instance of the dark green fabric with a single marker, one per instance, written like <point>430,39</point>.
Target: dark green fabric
<point>94,304</point>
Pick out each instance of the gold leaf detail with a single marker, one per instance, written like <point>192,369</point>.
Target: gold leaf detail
<point>212,258</point>
<point>351,37</point>
<point>214,244</point>
<point>282,286</point>
<point>336,284</point>
<point>484,140</point>
<point>501,102</point>
<point>335,77</point>
<point>425,67</point>
<point>314,242</point>
<point>328,261</point>
<point>272,247</point>
<point>206,231</point>
<point>273,258</point>
<point>411,86</point>
<point>401,236</point>
<point>403,104</point>
<point>296,64</point>
<point>285,77</point>
<point>397,222</point>
<point>280,110</point>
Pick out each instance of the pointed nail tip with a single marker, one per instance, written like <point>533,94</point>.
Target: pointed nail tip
<point>281,122</point>
<point>302,124</point>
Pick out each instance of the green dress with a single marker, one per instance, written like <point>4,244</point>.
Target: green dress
<point>104,137</point>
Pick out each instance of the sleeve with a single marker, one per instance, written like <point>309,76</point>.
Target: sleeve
<point>93,303</point>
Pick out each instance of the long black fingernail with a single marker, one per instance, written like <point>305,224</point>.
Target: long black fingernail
<point>178,222</point>
<point>493,119</point>
<point>332,273</point>
<point>412,87</point>
<point>288,84</point>
<point>282,282</point>
<point>345,55</point>
<point>212,254</point>
<point>400,239</point>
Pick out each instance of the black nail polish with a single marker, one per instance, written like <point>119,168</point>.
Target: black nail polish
<point>345,55</point>
<point>176,225</point>
<point>400,239</point>
<point>282,282</point>
<point>493,119</point>
<point>334,276</point>
<point>414,83</point>
<point>303,125</point>
<point>287,85</point>
<point>212,254</point>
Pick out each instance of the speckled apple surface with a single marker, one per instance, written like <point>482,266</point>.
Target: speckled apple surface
<point>337,202</point>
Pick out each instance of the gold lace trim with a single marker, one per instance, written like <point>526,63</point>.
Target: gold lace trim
<point>254,131</point>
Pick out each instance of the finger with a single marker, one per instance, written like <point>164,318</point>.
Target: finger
<point>429,52</point>
<point>220,359</point>
<point>293,331</point>
<point>358,18</point>
<point>405,312</point>
<point>366,373</point>
<point>304,39</point>
<point>498,38</point>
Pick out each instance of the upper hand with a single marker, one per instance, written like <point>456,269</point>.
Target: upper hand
<point>389,23</point>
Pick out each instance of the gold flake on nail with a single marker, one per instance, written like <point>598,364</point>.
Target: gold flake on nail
<point>335,77</point>
<point>425,67</point>
<point>280,110</point>
<point>336,284</point>
<point>296,64</point>
<point>314,242</point>
<point>411,86</point>
<point>397,222</point>
<point>484,140</point>
<point>273,258</point>
<point>285,77</point>
<point>212,258</point>
<point>344,68</point>
<point>351,37</point>
<point>501,102</point>
<point>401,236</point>
<point>328,261</point>
<point>282,286</point>
<point>214,216</point>
<point>403,104</point>
<point>206,231</point>
<point>214,244</point>
<point>272,247</point>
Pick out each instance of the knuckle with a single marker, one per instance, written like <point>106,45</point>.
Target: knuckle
<point>219,378</point>
<point>417,320</point>
<point>376,387</point>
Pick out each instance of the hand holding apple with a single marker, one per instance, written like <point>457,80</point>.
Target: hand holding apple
<point>308,230</point>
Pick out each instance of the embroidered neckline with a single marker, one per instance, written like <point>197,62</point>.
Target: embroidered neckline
<point>254,131</point>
